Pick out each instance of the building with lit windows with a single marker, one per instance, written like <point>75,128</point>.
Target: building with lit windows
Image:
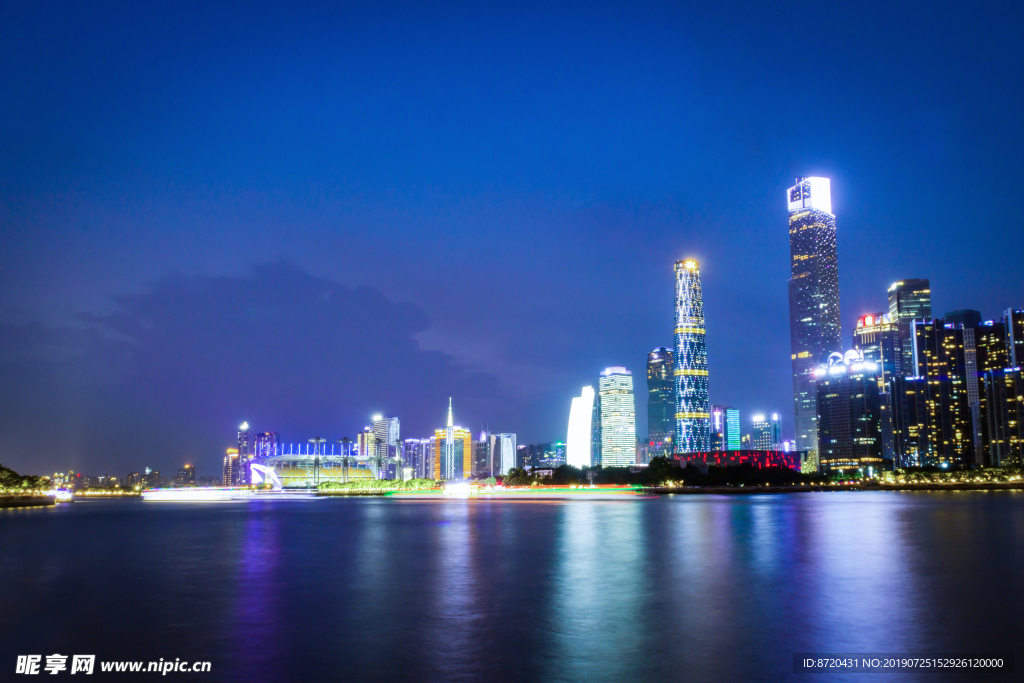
<point>717,428</point>
<point>266,444</point>
<point>661,423</point>
<point>1004,428</point>
<point>878,338</point>
<point>242,475</point>
<point>692,407</point>
<point>813,298</point>
<point>187,476</point>
<point>849,415</point>
<point>578,451</point>
<point>733,438</point>
<point>387,431</point>
<point>725,425</point>
<point>945,355</point>
<point>991,347</point>
<point>453,451</point>
<point>909,300</point>
<point>419,455</point>
<point>230,470</point>
<point>1014,323</point>
<point>618,418</point>
<point>766,434</point>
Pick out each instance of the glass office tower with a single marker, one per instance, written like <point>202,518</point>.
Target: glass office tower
<point>661,424</point>
<point>813,297</point>
<point>909,300</point>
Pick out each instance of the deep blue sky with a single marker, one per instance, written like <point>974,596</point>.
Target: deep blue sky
<point>300,216</point>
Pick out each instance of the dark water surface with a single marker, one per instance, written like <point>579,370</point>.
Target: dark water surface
<point>702,588</point>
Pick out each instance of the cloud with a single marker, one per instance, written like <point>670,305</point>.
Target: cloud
<point>168,376</point>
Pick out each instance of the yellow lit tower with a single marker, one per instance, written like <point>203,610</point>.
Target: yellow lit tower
<point>693,410</point>
<point>453,451</point>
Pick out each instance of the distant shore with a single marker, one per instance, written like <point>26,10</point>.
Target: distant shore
<point>751,490</point>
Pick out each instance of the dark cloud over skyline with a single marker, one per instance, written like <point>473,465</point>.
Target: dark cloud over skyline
<point>496,193</point>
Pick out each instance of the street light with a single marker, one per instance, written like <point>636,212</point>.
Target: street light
<point>316,441</point>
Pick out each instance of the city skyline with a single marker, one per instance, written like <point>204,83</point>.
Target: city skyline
<point>268,232</point>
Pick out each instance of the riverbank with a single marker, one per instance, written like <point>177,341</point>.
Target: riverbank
<point>26,501</point>
<point>751,490</point>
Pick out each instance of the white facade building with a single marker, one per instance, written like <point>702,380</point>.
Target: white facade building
<point>618,418</point>
<point>507,445</point>
<point>577,443</point>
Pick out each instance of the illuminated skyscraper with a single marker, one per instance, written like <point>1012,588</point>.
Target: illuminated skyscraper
<point>389,444</point>
<point>909,300</point>
<point>507,452</point>
<point>230,471</point>
<point>733,438</point>
<point>618,418</point>
<point>850,418</point>
<point>578,449</point>
<point>878,338</point>
<point>693,410</point>
<point>813,297</point>
<point>453,451</point>
<point>661,424</point>
<point>243,475</point>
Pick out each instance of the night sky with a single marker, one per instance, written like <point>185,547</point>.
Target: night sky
<point>301,216</point>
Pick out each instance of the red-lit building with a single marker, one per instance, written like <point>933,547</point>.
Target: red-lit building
<point>758,459</point>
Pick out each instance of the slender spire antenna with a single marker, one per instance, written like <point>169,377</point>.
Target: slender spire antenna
<point>450,423</point>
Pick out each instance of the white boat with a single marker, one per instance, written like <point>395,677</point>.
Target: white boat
<point>198,494</point>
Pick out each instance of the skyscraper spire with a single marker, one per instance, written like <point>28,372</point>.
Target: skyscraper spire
<point>450,423</point>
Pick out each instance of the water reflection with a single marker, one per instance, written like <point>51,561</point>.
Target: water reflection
<point>257,598</point>
<point>860,562</point>
<point>602,574</point>
<point>676,588</point>
<point>454,589</point>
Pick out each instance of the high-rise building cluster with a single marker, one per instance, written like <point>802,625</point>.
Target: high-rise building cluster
<point>680,419</point>
<point>379,452</point>
<point>913,390</point>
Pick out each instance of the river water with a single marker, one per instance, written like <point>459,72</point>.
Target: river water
<point>701,588</point>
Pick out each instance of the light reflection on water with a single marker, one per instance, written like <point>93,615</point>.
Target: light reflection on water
<point>677,588</point>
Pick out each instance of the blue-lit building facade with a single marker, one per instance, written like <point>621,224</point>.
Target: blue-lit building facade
<point>661,424</point>
<point>692,407</point>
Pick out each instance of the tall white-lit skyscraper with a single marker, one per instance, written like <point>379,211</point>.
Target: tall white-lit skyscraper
<point>693,409</point>
<point>767,434</point>
<point>389,443</point>
<point>577,449</point>
<point>618,418</point>
<point>813,297</point>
